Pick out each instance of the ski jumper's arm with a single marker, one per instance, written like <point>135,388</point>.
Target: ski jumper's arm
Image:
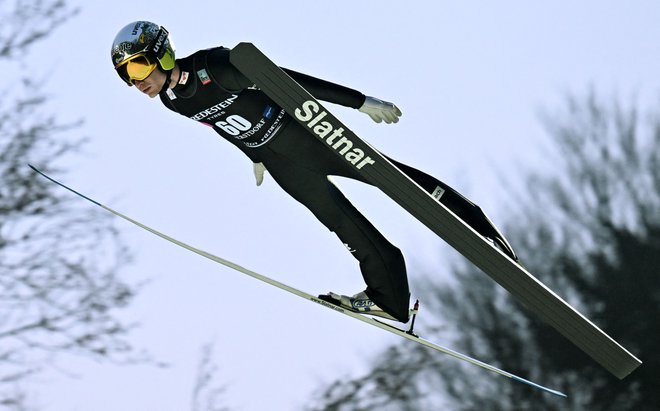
<point>378,110</point>
<point>327,91</point>
<point>232,79</point>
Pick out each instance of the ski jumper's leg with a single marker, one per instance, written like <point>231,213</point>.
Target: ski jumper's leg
<point>301,169</point>
<point>465,209</point>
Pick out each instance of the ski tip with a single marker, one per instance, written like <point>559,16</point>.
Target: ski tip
<point>36,170</point>
<point>538,386</point>
<point>65,186</point>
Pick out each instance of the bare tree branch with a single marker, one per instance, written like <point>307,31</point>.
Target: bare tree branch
<point>60,290</point>
<point>207,394</point>
<point>25,22</point>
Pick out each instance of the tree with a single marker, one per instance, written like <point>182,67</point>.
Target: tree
<point>25,22</point>
<point>59,283</point>
<point>595,240</point>
<point>208,394</point>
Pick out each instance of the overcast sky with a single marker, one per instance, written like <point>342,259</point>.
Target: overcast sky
<point>470,78</point>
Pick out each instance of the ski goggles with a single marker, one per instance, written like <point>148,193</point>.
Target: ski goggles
<point>135,68</point>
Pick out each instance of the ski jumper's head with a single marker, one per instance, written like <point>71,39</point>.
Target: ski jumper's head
<point>143,55</point>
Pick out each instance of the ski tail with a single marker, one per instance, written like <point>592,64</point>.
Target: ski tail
<point>537,386</point>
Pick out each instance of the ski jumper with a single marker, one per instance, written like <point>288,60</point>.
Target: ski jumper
<point>212,91</point>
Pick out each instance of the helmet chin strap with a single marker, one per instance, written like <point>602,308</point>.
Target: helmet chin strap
<point>168,78</point>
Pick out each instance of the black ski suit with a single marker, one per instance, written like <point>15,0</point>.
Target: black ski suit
<point>212,91</point>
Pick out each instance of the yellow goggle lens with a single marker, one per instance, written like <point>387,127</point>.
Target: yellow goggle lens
<point>137,68</point>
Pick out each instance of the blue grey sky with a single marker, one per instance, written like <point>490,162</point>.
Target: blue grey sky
<point>470,78</point>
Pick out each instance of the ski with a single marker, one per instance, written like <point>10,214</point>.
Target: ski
<point>373,166</point>
<point>409,335</point>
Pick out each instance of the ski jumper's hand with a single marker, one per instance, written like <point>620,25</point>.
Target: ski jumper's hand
<point>259,169</point>
<point>380,110</point>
